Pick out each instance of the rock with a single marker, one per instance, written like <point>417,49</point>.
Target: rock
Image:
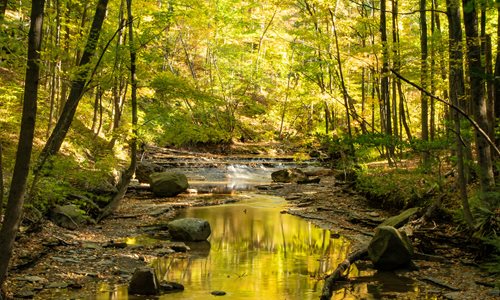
<point>347,175</point>
<point>166,184</point>
<point>25,294</point>
<point>160,211</point>
<point>288,175</point>
<point>390,249</point>
<point>401,219</point>
<point>309,180</point>
<point>58,285</point>
<point>32,279</point>
<point>68,216</point>
<point>171,286</point>
<point>218,293</point>
<point>453,296</point>
<point>180,247</point>
<point>116,245</point>
<point>90,245</point>
<point>144,282</point>
<point>319,172</point>
<point>164,252</point>
<point>145,169</point>
<point>189,229</point>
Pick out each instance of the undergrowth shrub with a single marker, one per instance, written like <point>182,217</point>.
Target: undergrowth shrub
<point>396,189</point>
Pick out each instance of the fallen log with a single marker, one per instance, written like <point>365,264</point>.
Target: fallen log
<point>340,270</point>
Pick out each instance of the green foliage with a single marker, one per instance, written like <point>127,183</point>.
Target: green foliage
<point>492,264</point>
<point>396,188</point>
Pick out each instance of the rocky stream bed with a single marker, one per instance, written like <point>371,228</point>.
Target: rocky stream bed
<point>51,262</point>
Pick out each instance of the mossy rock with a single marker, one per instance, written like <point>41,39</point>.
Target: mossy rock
<point>399,220</point>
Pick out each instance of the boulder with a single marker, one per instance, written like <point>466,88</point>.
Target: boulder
<point>189,229</point>
<point>145,169</point>
<point>167,184</point>
<point>390,249</point>
<point>144,282</point>
<point>288,175</point>
<point>68,216</point>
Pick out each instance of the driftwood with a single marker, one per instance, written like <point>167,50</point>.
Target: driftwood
<point>340,270</point>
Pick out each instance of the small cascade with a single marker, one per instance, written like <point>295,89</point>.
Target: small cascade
<point>208,173</point>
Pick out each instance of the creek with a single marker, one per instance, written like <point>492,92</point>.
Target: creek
<point>257,252</point>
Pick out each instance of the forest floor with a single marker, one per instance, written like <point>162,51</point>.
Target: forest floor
<point>54,263</point>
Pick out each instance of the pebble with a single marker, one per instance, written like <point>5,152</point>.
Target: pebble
<point>218,293</point>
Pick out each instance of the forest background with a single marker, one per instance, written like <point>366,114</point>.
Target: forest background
<point>415,83</point>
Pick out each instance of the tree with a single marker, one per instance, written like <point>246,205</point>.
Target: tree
<point>384,88</point>
<point>496,87</point>
<point>14,209</point>
<point>423,81</point>
<point>127,176</point>
<point>78,85</point>
<point>457,91</point>
<point>476,72</point>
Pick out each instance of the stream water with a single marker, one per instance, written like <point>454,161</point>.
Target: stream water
<point>257,252</point>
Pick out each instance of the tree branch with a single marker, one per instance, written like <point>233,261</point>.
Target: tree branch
<point>456,108</point>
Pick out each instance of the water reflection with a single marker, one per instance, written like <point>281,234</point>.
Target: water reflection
<point>255,253</point>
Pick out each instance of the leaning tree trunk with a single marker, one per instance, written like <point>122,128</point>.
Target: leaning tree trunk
<point>77,88</point>
<point>14,209</point>
<point>476,72</point>
<point>127,176</point>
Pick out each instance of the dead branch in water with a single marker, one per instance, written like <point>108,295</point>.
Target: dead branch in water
<point>330,280</point>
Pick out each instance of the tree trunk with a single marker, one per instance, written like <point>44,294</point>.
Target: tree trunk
<point>2,189</point>
<point>457,91</point>
<point>3,8</point>
<point>476,72</point>
<point>442,63</point>
<point>496,88</point>
<point>432,75</point>
<point>127,176</point>
<point>96,109</point>
<point>403,112</point>
<point>14,209</point>
<point>77,88</point>
<point>384,88</point>
<point>118,78</point>
<point>423,82</point>
<point>344,89</point>
<point>490,103</point>
<point>397,63</point>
